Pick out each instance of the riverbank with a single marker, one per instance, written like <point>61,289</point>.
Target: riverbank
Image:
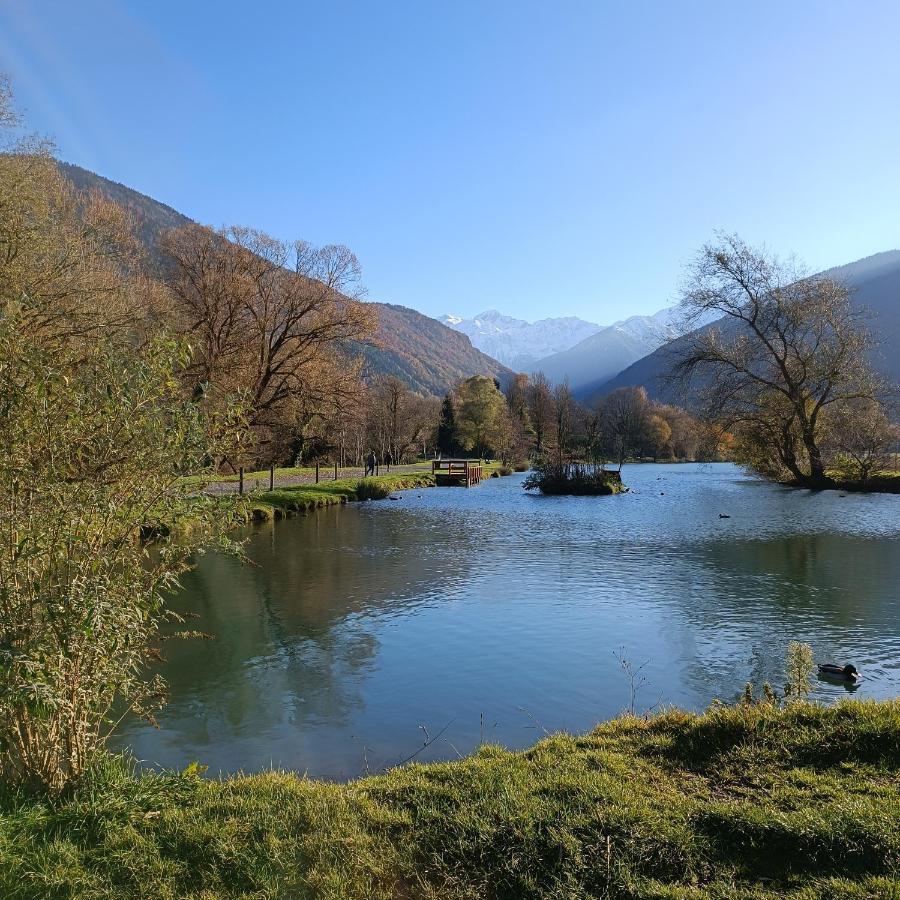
<point>882,483</point>
<point>738,802</point>
<point>285,501</point>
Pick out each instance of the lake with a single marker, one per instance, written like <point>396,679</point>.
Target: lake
<point>496,615</point>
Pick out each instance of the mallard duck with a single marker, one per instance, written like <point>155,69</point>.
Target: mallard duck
<point>847,673</point>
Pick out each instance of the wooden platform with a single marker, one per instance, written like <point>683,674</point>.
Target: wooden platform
<point>463,472</point>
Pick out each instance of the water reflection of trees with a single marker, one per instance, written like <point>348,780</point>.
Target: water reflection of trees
<point>293,632</point>
<point>748,597</point>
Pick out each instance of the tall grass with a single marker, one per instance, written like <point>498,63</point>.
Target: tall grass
<point>751,801</point>
<point>370,489</point>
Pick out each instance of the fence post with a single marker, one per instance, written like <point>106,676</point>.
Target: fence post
<point>317,473</point>
<point>272,477</point>
<point>241,480</point>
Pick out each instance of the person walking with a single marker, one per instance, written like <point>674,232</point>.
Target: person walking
<point>388,459</point>
<point>370,463</point>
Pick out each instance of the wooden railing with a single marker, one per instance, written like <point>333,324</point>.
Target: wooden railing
<point>466,472</point>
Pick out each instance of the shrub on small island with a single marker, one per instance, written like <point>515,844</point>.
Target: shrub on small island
<point>575,478</point>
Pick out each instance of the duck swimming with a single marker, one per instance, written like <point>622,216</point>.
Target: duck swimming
<point>847,673</point>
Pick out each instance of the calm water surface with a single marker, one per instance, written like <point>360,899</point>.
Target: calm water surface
<point>500,613</point>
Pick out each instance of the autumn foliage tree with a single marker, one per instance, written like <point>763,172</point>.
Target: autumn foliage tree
<point>861,439</point>
<point>69,266</point>
<point>269,321</point>
<point>482,418</point>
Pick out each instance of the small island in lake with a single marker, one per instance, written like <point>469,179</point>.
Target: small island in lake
<point>574,478</point>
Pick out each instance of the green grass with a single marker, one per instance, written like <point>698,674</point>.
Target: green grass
<point>739,802</point>
<point>303,497</point>
<point>266,506</point>
<point>325,470</point>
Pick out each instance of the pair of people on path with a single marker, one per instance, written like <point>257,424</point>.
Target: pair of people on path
<point>372,462</point>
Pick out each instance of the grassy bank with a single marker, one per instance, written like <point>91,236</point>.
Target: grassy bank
<point>285,501</point>
<point>303,497</point>
<point>739,802</point>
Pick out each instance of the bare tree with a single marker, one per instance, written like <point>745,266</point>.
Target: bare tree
<point>540,409</point>
<point>517,399</point>
<point>624,416</point>
<point>565,416</point>
<point>788,348</point>
<point>400,420</point>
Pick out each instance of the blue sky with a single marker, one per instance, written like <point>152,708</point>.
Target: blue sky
<point>539,158</point>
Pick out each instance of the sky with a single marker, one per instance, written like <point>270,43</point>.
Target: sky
<point>542,159</point>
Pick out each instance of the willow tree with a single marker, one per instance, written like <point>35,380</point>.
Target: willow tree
<point>784,350</point>
<point>97,436</point>
<point>95,442</point>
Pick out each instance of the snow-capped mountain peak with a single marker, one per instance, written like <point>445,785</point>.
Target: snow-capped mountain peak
<point>517,343</point>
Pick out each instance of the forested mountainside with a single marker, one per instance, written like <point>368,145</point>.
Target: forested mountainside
<point>427,355</point>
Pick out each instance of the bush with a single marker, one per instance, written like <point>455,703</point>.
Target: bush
<point>573,478</point>
<point>369,489</point>
<point>94,444</point>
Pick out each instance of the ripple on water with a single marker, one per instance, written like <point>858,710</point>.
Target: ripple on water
<point>505,613</point>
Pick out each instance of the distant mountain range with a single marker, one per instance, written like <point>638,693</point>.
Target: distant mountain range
<point>875,285</point>
<point>596,359</point>
<point>432,356</point>
<point>517,343</point>
<point>424,353</point>
<point>584,352</point>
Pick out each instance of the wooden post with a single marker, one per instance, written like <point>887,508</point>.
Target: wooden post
<point>335,470</point>
<point>272,477</point>
<point>317,473</point>
<point>241,480</point>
